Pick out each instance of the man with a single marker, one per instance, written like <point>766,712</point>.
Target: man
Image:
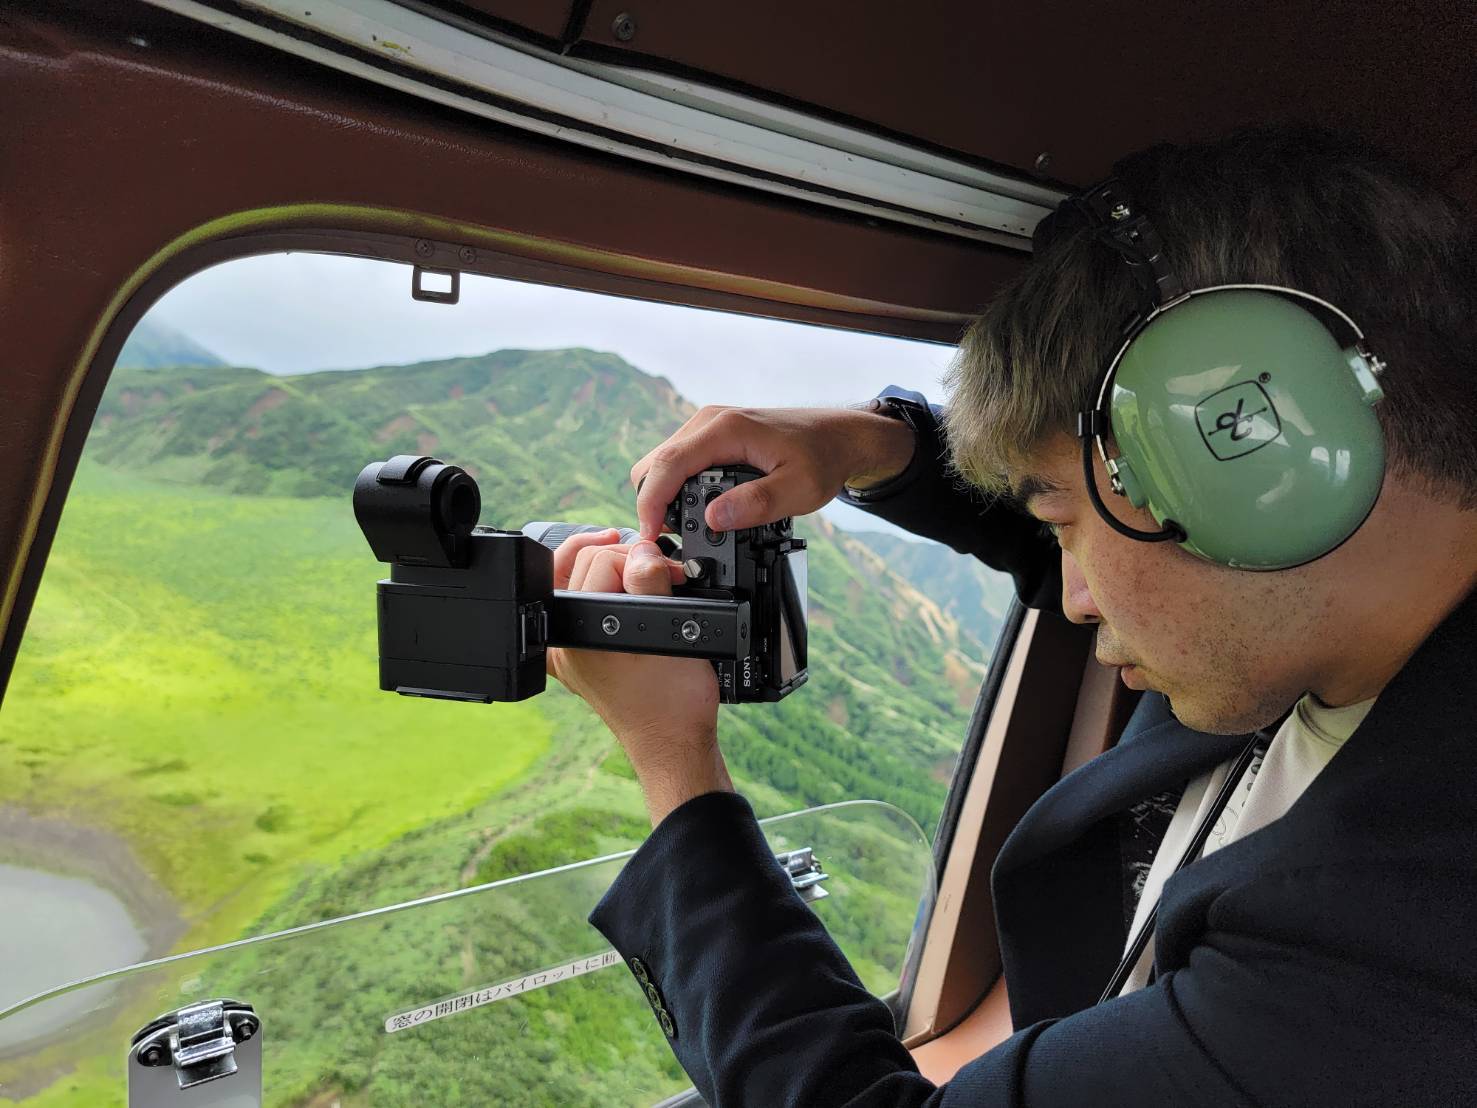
<point>1314,943</point>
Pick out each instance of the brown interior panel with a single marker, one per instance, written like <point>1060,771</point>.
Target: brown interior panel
<point>939,1059</point>
<point>1030,763</point>
<point>1083,83</point>
<point>1013,767</point>
<point>1025,740</point>
<point>544,21</point>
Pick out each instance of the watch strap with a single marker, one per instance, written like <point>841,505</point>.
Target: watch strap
<point>912,408</point>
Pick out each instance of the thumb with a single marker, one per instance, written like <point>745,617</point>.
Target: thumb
<point>755,503</point>
<point>648,573</point>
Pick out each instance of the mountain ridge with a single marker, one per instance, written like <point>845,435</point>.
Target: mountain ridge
<point>153,345</point>
<point>970,592</point>
<point>552,434</point>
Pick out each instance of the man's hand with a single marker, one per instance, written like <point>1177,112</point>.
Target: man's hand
<point>663,711</point>
<point>807,454</point>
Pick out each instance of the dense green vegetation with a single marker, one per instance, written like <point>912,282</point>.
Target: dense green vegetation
<point>199,677</point>
<point>976,596</point>
<point>551,434</point>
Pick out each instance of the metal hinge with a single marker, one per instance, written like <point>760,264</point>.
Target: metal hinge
<point>180,1059</point>
<point>805,873</point>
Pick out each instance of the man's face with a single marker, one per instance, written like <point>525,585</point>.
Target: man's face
<point>1232,649</point>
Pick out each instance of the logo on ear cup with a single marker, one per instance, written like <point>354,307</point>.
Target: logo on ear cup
<point>1237,420</point>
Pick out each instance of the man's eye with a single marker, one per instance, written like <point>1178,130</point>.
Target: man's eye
<point>1052,531</point>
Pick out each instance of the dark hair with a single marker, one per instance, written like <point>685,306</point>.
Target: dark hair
<point>1282,205</point>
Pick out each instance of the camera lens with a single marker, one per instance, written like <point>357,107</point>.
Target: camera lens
<point>553,534</point>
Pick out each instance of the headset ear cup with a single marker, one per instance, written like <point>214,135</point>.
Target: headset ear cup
<point>1239,414</point>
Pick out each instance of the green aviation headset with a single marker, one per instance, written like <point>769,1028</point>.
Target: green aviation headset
<point>1243,413</point>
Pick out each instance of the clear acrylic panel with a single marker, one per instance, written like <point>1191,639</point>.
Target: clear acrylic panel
<point>499,994</point>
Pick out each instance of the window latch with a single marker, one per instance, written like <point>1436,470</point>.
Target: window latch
<point>805,873</point>
<point>206,1055</point>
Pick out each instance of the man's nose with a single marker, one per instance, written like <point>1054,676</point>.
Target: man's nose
<point>1077,603</point>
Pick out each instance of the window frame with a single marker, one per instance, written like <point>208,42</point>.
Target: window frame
<point>558,265</point>
<point>492,254</point>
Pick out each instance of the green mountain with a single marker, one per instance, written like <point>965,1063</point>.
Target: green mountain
<point>198,679</point>
<point>976,596</point>
<point>541,431</point>
<point>153,345</point>
<point>551,433</point>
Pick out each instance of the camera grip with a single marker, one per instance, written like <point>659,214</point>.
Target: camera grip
<point>676,626</point>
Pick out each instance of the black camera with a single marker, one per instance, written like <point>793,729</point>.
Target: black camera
<point>468,612</point>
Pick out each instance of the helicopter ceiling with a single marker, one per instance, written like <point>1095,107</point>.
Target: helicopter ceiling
<point>1056,88</point>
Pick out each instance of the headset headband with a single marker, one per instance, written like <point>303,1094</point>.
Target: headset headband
<point>1111,210</point>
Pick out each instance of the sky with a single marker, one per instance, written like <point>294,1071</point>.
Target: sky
<point>296,313</point>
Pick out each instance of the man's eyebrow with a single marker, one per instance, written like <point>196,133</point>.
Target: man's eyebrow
<point>1034,484</point>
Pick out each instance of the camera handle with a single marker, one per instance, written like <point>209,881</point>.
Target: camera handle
<point>677,626</point>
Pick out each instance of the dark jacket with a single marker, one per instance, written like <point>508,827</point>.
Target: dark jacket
<point>1328,959</point>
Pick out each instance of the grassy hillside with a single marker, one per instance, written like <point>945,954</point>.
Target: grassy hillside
<point>552,434</point>
<point>541,431</point>
<point>199,677</point>
<point>968,590</point>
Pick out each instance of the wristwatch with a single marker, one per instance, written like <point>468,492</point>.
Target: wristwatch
<point>912,408</point>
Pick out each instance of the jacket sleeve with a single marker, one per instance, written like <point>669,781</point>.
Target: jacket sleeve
<point>763,1009</point>
<point>929,500</point>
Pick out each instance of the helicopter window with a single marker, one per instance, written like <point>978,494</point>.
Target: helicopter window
<point>196,699</point>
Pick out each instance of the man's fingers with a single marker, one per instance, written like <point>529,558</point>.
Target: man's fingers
<point>660,474</point>
<point>605,571</point>
<point>669,465</point>
<point>567,554</point>
<point>648,573</point>
<point>585,560</point>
